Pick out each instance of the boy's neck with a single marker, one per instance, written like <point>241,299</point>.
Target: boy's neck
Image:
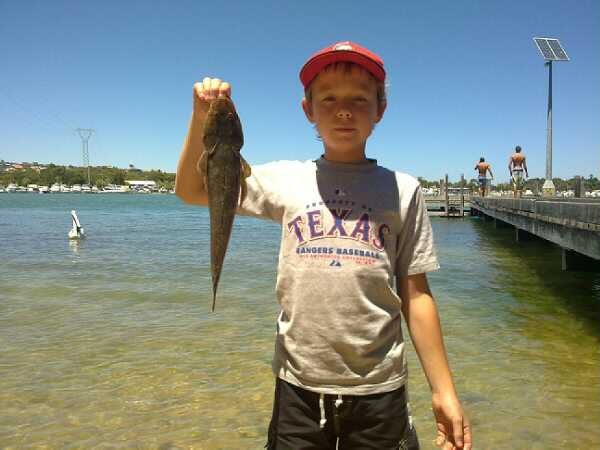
<point>345,157</point>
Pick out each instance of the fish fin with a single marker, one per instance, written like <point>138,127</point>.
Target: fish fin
<point>212,150</point>
<point>243,191</point>
<point>246,169</point>
<point>202,164</point>
<point>246,172</point>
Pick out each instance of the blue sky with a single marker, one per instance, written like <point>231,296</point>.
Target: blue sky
<point>465,79</point>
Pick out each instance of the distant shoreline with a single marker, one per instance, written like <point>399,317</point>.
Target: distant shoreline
<point>2,191</point>
<point>142,187</point>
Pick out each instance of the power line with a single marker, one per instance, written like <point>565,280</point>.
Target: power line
<point>52,120</point>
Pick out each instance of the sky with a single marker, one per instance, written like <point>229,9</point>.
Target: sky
<point>465,79</point>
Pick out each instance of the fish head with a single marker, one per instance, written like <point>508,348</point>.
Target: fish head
<point>223,125</point>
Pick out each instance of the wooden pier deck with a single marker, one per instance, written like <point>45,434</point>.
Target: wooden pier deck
<point>436,205</point>
<point>573,224</point>
<point>451,202</point>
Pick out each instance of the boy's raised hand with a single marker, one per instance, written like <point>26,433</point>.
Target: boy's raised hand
<point>206,92</point>
<point>189,185</point>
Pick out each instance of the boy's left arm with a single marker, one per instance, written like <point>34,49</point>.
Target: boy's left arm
<point>421,316</point>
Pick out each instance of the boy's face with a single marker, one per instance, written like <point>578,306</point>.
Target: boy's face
<point>344,107</point>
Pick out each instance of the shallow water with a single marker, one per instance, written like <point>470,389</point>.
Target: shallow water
<point>111,343</point>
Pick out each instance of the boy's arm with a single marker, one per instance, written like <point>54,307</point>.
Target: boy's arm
<point>421,316</point>
<point>525,167</point>
<point>189,185</point>
<point>510,163</point>
<point>491,173</point>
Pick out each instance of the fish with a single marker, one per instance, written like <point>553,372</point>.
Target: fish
<point>223,171</point>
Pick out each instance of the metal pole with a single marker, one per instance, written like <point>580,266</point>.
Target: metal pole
<point>549,126</point>
<point>548,189</point>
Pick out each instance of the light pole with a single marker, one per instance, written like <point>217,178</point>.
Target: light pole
<point>551,50</point>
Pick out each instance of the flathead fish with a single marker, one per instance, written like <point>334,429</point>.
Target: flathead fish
<point>223,172</point>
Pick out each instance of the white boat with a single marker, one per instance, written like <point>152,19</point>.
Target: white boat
<point>32,188</point>
<point>113,189</point>
<point>44,189</point>
<point>76,188</point>
<point>77,231</point>
<point>55,188</point>
<point>12,187</point>
<point>86,188</point>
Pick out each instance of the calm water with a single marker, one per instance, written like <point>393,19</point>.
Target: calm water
<point>111,344</point>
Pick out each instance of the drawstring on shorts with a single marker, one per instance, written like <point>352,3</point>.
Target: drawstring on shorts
<point>323,420</point>
<point>338,402</point>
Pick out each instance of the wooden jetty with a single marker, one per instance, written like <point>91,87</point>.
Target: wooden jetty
<point>571,223</point>
<point>452,202</point>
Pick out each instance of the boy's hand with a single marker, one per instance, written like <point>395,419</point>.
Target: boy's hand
<point>206,92</point>
<point>454,430</point>
<point>189,185</point>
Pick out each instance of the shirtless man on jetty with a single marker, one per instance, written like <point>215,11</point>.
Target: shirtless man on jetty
<point>516,166</point>
<point>482,167</point>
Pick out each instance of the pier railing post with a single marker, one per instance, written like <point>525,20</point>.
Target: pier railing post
<point>462,195</point>
<point>447,200</point>
<point>579,187</point>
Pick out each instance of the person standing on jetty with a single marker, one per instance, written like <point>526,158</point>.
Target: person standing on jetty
<point>516,166</point>
<point>483,168</point>
<point>350,227</point>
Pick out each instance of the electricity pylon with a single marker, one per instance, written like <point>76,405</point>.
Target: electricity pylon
<point>85,134</point>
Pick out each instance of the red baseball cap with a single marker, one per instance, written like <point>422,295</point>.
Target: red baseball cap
<point>342,51</point>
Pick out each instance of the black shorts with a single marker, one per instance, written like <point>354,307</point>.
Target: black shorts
<point>305,420</point>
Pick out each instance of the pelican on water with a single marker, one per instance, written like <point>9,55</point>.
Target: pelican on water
<point>77,231</point>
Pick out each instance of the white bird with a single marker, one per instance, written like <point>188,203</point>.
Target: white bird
<point>77,231</point>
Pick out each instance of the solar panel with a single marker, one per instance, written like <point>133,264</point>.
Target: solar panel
<point>544,48</point>
<point>558,50</point>
<point>551,49</point>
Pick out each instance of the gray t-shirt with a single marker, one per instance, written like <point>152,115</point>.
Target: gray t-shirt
<point>347,230</point>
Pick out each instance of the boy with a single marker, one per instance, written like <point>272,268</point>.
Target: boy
<point>482,167</point>
<point>516,165</point>
<point>349,228</point>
